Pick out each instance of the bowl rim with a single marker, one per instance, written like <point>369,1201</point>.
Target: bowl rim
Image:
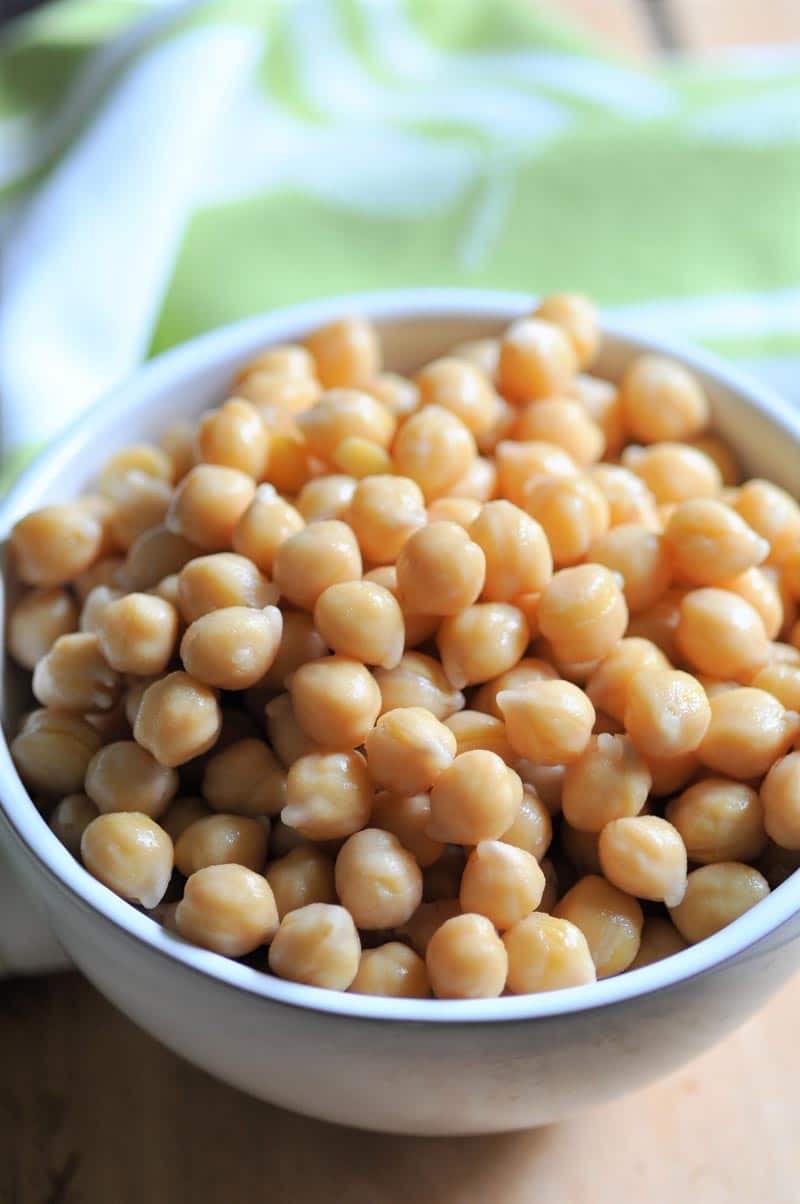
<point>24,825</point>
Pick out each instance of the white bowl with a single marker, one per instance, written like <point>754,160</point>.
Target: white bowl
<point>426,1066</point>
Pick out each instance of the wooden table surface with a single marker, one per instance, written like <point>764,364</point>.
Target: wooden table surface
<point>94,1112</point>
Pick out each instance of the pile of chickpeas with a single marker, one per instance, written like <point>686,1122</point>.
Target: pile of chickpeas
<point>476,682</point>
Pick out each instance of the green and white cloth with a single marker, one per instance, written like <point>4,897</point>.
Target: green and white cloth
<point>167,167</point>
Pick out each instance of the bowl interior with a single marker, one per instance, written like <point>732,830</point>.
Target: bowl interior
<point>415,327</point>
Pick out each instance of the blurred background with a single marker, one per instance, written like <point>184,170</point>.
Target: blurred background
<point>166,167</point>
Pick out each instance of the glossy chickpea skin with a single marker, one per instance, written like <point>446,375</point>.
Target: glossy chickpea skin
<point>577,316</point>
<point>407,750</point>
<point>208,504</point>
<point>644,856</point>
<point>440,570</point>
<point>407,817</point>
<point>519,464</point>
<point>124,777</point>
<point>302,876</point>
<point>780,798</point>
<point>300,643</point>
<point>573,512</point>
<point>418,680</point>
<point>246,779</point>
<point>52,545</point>
<point>321,555</point>
<point>384,511</point>
<point>75,676</point>
<point>546,953</point>
<point>377,880</point>
<point>223,579</point>
<point>709,542</point>
<point>716,895</point>
<point>475,798</point>
<point>529,668</point>
<point>425,920</point>
<point>267,522</point>
<point>434,448</point>
<point>721,634</point>
<point>477,729</point>
<point>37,621</point>
<point>138,633</point>
<point>345,352</point>
<point>565,423</point>
<point>232,648</point>
<point>610,919</point>
<point>515,547</point>
<point>318,945</point>
<point>532,829</point>
<point>178,718</point>
<point>234,436</point>
<point>481,642</point>
<point>666,712</point>
<point>661,400</point>
<point>362,620</point>
<point>288,740</point>
<point>181,813</point>
<point>719,820</point>
<point>547,722</point>
<point>501,882</point>
<point>70,819</point>
<point>773,514</point>
<point>582,613</point>
<point>609,781</point>
<point>748,731</point>
<point>642,559</point>
<point>328,795</point>
<point>227,908</point>
<point>461,388</point>
<point>52,751</point>
<point>130,854</point>
<point>674,472</point>
<point>660,939</point>
<point>221,840</point>
<point>336,701</point>
<point>537,359</point>
<point>392,970</point>
<point>466,959</point>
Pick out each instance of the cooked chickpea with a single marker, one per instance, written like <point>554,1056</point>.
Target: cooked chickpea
<point>526,670</point>
<point>629,499</point>
<point>177,443</point>
<point>548,722</point>
<point>537,359</point>
<point>780,797</point>
<point>477,729</point>
<point>138,502</point>
<point>748,732</point>
<point>124,777</point>
<point>418,681</point>
<point>300,643</point>
<point>658,624</point>
<point>577,317</point>
<point>94,607</point>
<point>407,817</point>
<point>71,818</point>
<point>316,944</point>
<point>267,522</point>
<point>477,797</point>
<point>302,876</point>
<point>434,448</point>
<point>232,648</point>
<point>130,854</point>
<point>426,919</point>
<point>564,423</point>
<point>290,462</point>
<point>719,820</point>
<point>235,436</point>
<point>342,414</point>
<point>580,850</point>
<point>479,482</point>
<point>641,557</point>
<point>466,959</point>
<point>573,512</point>
<point>221,840</point>
<point>674,472</point>
<point>520,464</point>
<point>482,642</point>
<point>208,504</point>
<point>773,514</point>
<point>137,634</point>
<point>782,681</point>
<point>377,880</point>
<point>666,712</point>
<point>278,398</point>
<point>224,579</point>
<point>362,620</point>
<point>660,939</point>
<point>106,571</point>
<point>582,613</point>
<point>461,510</point>
<point>328,795</point>
<point>644,856</point>
<point>610,919</point>
<point>74,675</point>
<point>532,829</point>
<point>460,387</point>
<point>515,547</point>
<point>721,634</point>
<point>546,953</point>
<point>671,774</point>
<point>399,395</point>
<point>143,457</point>
<point>442,880</point>
<point>336,701</point>
<point>346,352</point>
<point>178,718</point>
<point>601,401</point>
<point>392,970</point>
<point>408,748</point>
<point>181,813</point>
<point>609,781</point>
<point>440,570</point>
<point>322,554</point>
<point>227,908</point>
<point>155,554</point>
<point>502,882</point>
<point>763,594</point>
<point>37,621</point>
<point>709,542</point>
<point>662,400</point>
<point>723,456</point>
<point>326,497</point>
<point>52,545</point>
<point>716,895</point>
<point>284,359</point>
<point>384,511</point>
<point>245,779</point>
<point>288,740</point>
<point>52,751</point>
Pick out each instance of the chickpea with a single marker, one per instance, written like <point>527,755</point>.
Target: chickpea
<point>526,670</point>
<point>106,571</point>
<point>440,570</point>
<point>326,497</point>
<point>282,839</point>
<point>478,483</point>
<point>573,512</point>
<point>155,554</point>
<point>288,740</point>
<point>477,797</point>
<point>137,633</point>
<point>577,317</point>
<point>245,779</point>
<point>515,547</point>
<point>341,414</point>
<point>748,732</point>
<point>721,634</point>
<point>328,795</point>
<point>56,543</point>
<point>224,579</point>
<point>227,908</point>
<point>610,919</point>
<point>268,522</point>
<point>290,462</point>
<point>666,713</point>
<point>466,959</point>
<point>501,882</point>
<point>138,502</point>
<point>723,456</point>
<point>763,594</point>
<point>521,464</point>
<point>785,654</point>
<point>221,840</point>
<point>346,352</point>
<point>442,880</point>
<point>780,797</point>
<point>317,945</point>
<point>408,748</point>
<point>460,387</point>
<point>94,608</point>
<point>300,643</point>
<point>671,774</point>
<point>232,648</point>
<point>773,514</point>
<point>284,359</point>
<point>208,503</point>
<point>303,876</point>
<point>577,672</point>
<point>660,939</point>
<point>52,750</point>
<point>546,954</point>
<point>537,359</point>
<point>532,829</point>
<point>629,499</point>
<point>582,613</point>
<point>709,542</point>
<point>70,820</point>
<point>377,880</point>
<point>641,557</point>
<point>609,684</point>
<point>361,620</point>
<point>675,472</point>
<point>37,621</point>
<point>580,850</point>
<point>549,722</point>
<point>662,400</point>
<point>659,624</point>
<point>716,895</point>
<point>476,729</point>
<point>407,817</point>
<point>482,642</point>
<point>384,511</point>
<point>609,781</point>
<point>181,813</point>
<point>399,395</point>
<point>235,436</point>
<point>177,443</point>
<point>140,457</point>
<point>124,777</point>
<point>178,718</point>
<point>74,675</point>
<point>418,681</point>
<point>564,423</point>
<point>322,554</point>
<point>425,921</point>
<point>460,510</point>
<point>644,856</point>
<point>336,701</point>
<point>782,681</point>
<point>130,854</point>
<point>719,820</point>
<point>601,401</point>
<point>434,448</point>
<point>392,970</point>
